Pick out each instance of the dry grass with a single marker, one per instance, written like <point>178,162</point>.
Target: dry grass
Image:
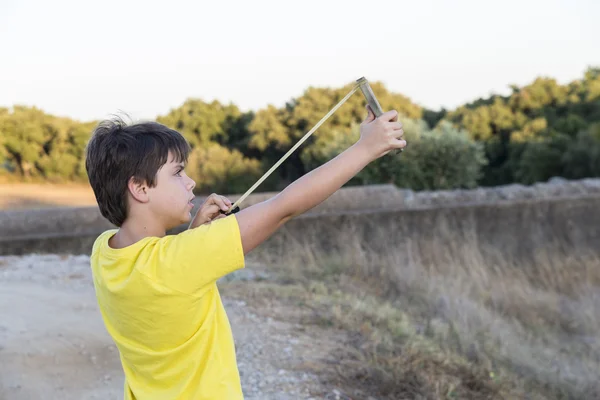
<point>452,328</point>
<point>14,196</point>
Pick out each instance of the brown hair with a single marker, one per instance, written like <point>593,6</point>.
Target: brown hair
<point>117,152</point>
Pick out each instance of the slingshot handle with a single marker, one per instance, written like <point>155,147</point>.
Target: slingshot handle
<point>366,90</point>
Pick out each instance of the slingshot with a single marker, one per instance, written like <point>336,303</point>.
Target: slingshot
<point>366,90</point>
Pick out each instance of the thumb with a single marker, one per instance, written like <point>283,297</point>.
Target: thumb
<point>370,115</point>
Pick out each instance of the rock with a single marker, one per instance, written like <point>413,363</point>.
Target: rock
<point>555,187</point>
<point>557,180</point>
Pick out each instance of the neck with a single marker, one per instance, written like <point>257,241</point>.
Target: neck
<point>133,231</point>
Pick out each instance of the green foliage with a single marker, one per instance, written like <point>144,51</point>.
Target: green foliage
<point>327,147</point>
<point>307,110</point>
<point>540,130</point>
<point>201,122</point>
<point>571,124</point>
<point>38,145</point>
<point>582,158</point>
<point>538,114</point>
<point>498,169</point>
<point>541,160</point>
<point>442,158</point>
<point>268,129</point>
<point>218,169</point>
<point>559,155</point>
<point>432,117</point>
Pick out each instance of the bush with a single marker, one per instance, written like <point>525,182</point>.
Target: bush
<point>541,160</point>
<point>440,159</point>
<point>558,155</point>
<point>218,169</point>
<point>582,158</point>
<point>443,158</point>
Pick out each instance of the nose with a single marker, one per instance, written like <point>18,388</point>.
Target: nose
<point>191,184</point>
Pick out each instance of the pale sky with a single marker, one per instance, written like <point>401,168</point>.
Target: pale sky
<point>86,61</point>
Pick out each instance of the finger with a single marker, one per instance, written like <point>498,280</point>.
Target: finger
<point>398,144</point>
<point>398,133</point>
<point>209,199</point>
<point>396,125</point>
<point>391,116</point>
<point>211,210</point>
<point>370,114</point>
<point>218,200</point>
<point>227,201</point>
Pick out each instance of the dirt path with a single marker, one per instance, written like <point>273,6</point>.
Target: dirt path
<point>53,344</point>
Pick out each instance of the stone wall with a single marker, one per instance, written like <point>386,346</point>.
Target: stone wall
<point>505,218</point>
<point>520,232</point>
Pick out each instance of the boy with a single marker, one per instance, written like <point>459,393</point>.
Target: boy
<point>157,293</point>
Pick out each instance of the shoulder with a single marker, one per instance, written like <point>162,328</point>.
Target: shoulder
<point>196,257</point>
<point>217,236</point>
<point>102,240</point>
<point>226,228</point>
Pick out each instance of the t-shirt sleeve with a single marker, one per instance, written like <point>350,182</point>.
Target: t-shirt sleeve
<point>195,258</point>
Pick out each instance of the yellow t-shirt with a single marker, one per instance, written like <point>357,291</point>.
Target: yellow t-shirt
<point>160,303</point>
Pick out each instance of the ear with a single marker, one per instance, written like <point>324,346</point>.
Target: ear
<point>138,190</point>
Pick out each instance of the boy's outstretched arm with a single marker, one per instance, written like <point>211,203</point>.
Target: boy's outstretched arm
<point>377,138</point>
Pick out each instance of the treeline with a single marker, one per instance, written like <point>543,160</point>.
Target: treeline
<point>539,131</point>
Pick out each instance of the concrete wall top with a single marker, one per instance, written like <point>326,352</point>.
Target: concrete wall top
<point>74,221</point>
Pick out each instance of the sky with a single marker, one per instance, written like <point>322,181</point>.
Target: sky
<point>88,60</point>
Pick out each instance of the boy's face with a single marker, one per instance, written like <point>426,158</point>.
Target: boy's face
<point>170,199</point>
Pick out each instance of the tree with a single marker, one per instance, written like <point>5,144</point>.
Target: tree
<point>539,130</point>
<point>443,158</point>
<point>201,122</point>
<point>538,113</point>
<point>582,158</point>
<point>269,129</point>
<point>308,109</point>
<point>440,159</point>
<point>218,169</point>
<point>542,159</point>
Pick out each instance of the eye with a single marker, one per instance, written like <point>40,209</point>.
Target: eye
<point>178,173</point>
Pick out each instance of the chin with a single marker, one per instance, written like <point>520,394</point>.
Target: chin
<point>175,223</point>
<point>187,218</point>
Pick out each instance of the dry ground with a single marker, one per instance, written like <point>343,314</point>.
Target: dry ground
<point>448,328</point>
<point>17,196</point>
<point>53,344</point>
<point>316,332</point>
<point>373,325</point>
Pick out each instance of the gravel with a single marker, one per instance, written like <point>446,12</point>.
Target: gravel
<point>53,344</point>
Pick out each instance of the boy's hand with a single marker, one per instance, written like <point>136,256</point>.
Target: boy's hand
<point>211,210</point>
<point>381,135</point>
